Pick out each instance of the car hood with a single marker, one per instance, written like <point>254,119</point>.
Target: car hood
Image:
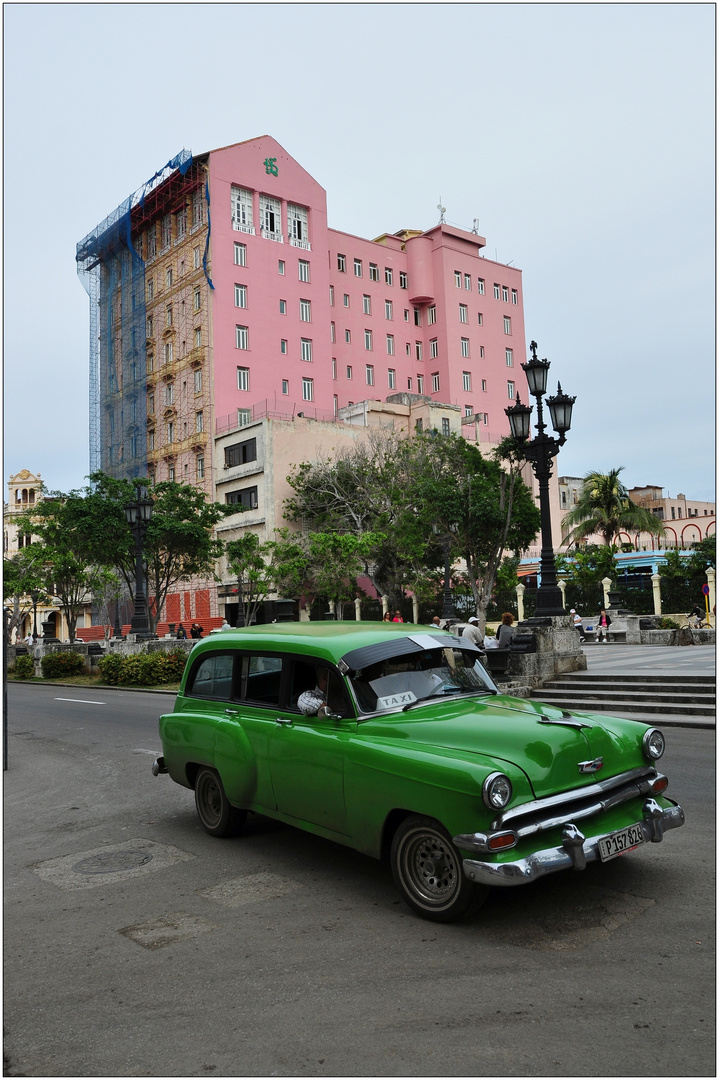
<point>548,744</point>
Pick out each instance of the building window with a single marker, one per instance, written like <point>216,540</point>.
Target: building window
<point>466,380</point>
<point>373,272</point>
<point>240,255</point>
<point>358,267</point>
<point>510,391</point>
<point>171,473</point>
<point>198,382</point>
<point>199,421</point>
<point>390,344</point>
<point>420,384</point>
<point>334,367</point>
<point>417,316</point>
<point>270,222</point>
<point>349,371</point>
<point>418,349</point>
<point>242,210</point>
<point>283,345</point>
<point>332,333</point>
<point>166,231</point>
<point>388,314</point>
<point>281,267</point>
<point>332,296</point>
<point>150,364</point>
<point>346,299</point>
<point>480,286</point>
<point>348,337</point>
<point>468,410</point>
<point>240,296</point>
<point>246,497</point>
<point>505,294</point>
<point>432,314</point>
<point>342,264</point>
<point>285,386</point>
<point>458,279</point>
<point>507,324</point>
<point>283,307</point>
<point>387,275</point>
<point>168,315</point>
<point>335,404</point>
<point>435,382</point>
<point>366,305</point>
<point>465,346</point>
<point>198,211</point>
<point>199,468</point>
<point>515,299</point>
<point>240,453</point>
<point>484,386</point>
<point>151,243</point>
<point>509,357</point>
<point>242,340</point>
<point>369,374</point>
<point>167,350</point>
<point>308,389</point>
<point>368,339</point>
<point>168,277</point>
<point>402,279</point>
<point>497,292</point>
<point>150,288</point>
<point>151,439</point>
<point>391,378</point>
<point>196,300</point>
<point>408,349</point>
<point>419,426</point>
<point>305,311</point>
<point>243,378</point>
<point>463,317</point>
<point>181,223</point>
<point>297,225</point>
<point>406,314</point>
<point>171,431</point>
<point>303,273</point>
<point>468,282</point>
<point>480,320</point>
<point>244,417</point>
<point>481,352</point>
<point>433,349</point>
<point>445,425</point>
<point>198,337</point>
<point>306,349</point>
<point>149,326</point>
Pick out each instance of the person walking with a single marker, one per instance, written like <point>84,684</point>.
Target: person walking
<point>603,624</point>
<point>578,625</point>
<point>505,630</point>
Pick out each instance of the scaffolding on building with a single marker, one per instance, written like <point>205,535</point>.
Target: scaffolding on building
<point>112,272</point>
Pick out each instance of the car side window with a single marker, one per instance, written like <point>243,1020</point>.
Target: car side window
<point>307,676</point>
<point>260,679</point>
<point>212,678</point>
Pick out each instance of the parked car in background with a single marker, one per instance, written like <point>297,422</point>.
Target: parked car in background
<point>394,740</point>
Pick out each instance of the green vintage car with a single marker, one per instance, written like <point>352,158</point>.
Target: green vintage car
<point>393,740</point>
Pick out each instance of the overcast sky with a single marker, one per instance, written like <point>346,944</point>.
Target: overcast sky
<point>580,135</point>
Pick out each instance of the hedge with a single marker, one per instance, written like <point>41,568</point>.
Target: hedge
<point>57,664</point>
<point>145,669</point>
<point>24,667</point>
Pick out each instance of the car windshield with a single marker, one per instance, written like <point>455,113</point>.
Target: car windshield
<point>398,682</point>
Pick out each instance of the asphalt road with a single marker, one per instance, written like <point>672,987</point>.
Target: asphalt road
<point>281,954</point>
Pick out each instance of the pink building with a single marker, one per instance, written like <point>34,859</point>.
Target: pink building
<point>219,295</point>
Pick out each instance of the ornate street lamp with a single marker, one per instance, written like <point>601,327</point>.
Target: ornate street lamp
<point>138,514</point>
<point>539,452</point>
<point>34,596</point>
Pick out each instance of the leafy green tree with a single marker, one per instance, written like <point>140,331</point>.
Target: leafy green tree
<point>325,564</point>
<point>248,560</point>
<point>604,507</point>
<point>179,543</point>
<point>21,576</point>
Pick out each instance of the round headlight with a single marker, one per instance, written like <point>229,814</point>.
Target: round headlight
<point>653,744</point>
<point>496,791</point>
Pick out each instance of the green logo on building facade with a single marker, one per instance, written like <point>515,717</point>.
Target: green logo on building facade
<point>270,166</point>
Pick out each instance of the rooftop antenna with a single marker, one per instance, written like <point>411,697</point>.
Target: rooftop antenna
<point>442,211</point>
<point>475,226</point>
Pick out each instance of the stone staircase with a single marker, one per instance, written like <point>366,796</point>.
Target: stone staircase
<point>641,697</point>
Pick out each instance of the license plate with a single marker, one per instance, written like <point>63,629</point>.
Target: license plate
<point>620,842</point>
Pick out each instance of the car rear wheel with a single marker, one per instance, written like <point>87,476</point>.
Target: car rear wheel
<point>217,816</point>
<point>427,869</point>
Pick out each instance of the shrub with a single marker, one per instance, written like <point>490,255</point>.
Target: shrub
<point>57,664</point>
<point>24,667</point>
<point>668,624</point>
<point>175,662</point>
<point>110,668</point>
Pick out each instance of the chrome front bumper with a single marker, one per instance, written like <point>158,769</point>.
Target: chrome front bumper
<point>575,852</point>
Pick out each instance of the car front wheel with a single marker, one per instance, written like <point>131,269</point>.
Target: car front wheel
<point>427,869</point>
<point>217,815</point>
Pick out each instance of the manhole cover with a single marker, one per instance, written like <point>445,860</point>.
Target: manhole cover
<point>109,862</point>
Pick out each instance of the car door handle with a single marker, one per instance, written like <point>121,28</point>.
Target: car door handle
<point>231,712</point>
<point>284,720</point>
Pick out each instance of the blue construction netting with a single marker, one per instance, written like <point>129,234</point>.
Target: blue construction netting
<point>113,275</point>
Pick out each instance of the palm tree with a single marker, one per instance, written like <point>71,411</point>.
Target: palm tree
<point>605,507</point>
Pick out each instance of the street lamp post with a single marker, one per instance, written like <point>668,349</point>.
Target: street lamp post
<point>539,452</point>
<point>34,596</point>
<point>448,609</point>
<point>138,514</point>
